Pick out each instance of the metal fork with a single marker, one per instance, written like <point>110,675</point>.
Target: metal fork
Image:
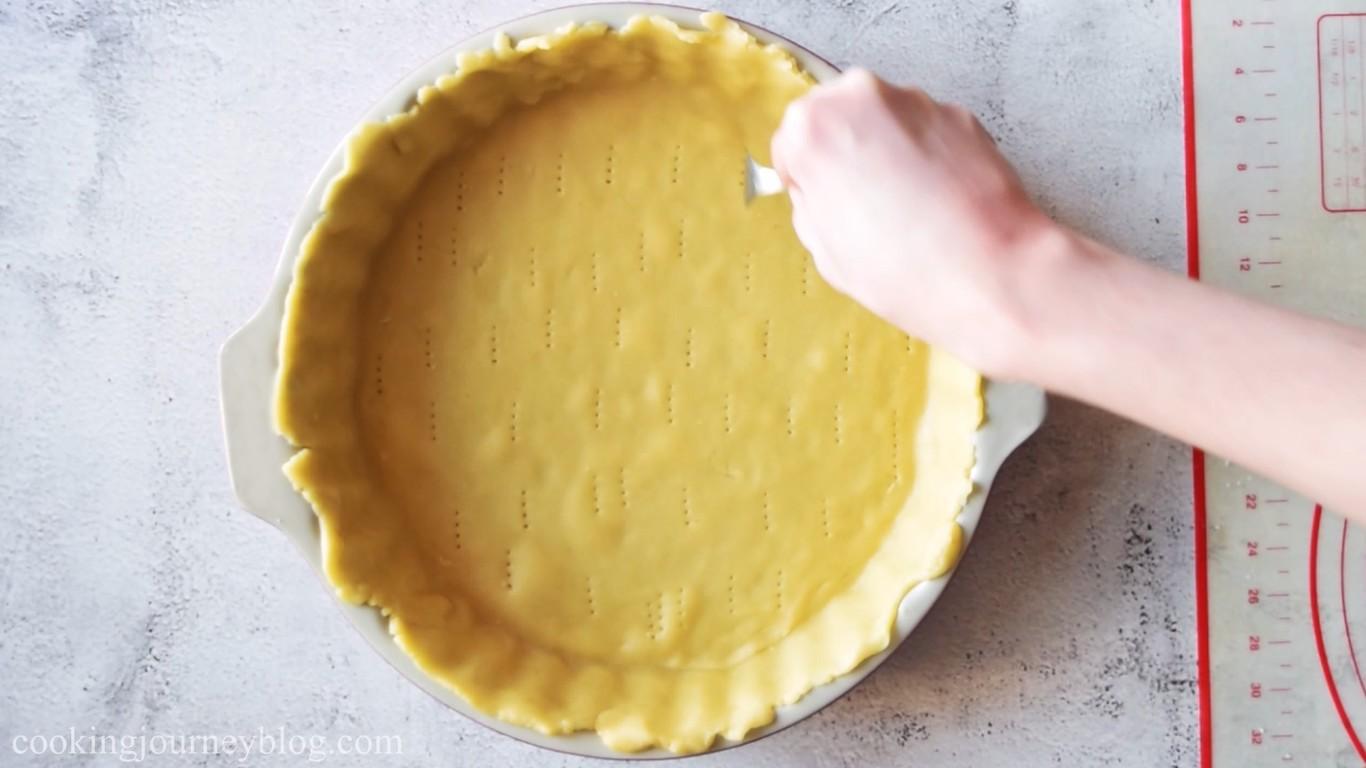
<point>760,180</point>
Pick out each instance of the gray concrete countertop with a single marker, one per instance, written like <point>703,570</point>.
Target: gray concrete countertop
<point>152,154</point>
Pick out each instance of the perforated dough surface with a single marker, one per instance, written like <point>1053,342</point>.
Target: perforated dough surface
<point>590,429</point>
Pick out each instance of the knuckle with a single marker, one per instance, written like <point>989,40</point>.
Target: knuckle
<point>919,102</point>
<point>799,114</point>
<point>806,120</point>
<point>962,115</point>
<point>795,131</point>
<point>958,112</point>
<point>861,85</point>
<point>916,93</point>
<point>860,79</point>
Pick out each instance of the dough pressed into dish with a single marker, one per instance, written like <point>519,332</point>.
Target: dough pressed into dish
<point>588,429</point>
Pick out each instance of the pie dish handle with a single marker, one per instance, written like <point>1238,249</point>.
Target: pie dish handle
<point>1015,411</point>
<point>247,364</point>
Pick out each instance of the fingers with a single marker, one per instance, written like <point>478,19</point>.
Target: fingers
<point>786,146</point>
<point>803,223</point>
<point>797,136</point>
<point>822,120</point>
<point>859,82</point>
<point>816,136</point>
<point>982,130</point>
<point>965,118</point>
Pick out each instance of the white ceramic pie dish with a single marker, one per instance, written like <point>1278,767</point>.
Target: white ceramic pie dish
<point>249,364</point>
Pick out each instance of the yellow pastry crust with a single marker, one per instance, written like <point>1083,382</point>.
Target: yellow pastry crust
<point>586,427</point>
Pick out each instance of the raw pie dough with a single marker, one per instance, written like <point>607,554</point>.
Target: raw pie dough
<point>590,430</point>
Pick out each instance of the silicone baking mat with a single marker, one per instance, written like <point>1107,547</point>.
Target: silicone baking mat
<point>1275,96</point>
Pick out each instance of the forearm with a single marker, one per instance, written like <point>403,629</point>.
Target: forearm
<point>1280,393</point>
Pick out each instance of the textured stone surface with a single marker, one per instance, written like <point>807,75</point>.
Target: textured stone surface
<point>151,156</point>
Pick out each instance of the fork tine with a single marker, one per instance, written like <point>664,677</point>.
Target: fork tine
<point>760,180</point>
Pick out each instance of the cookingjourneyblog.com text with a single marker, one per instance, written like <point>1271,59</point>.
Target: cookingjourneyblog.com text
<point>152,747</point>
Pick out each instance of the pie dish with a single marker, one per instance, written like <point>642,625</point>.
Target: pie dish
<point>589,431</point>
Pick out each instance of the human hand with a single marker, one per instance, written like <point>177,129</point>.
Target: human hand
<point>908,207</point>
